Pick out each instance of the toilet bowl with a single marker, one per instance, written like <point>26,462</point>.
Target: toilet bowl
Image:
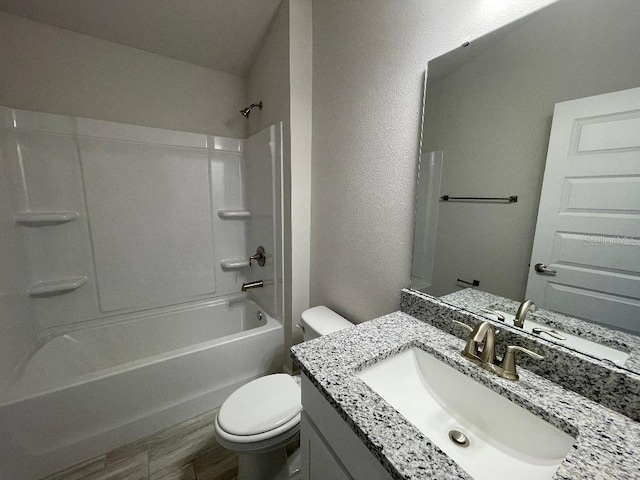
<point>260,418</point>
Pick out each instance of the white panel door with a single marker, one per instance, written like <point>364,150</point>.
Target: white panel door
<point>588,230</point>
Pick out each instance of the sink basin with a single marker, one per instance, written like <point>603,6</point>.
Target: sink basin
<point>572,341</point>
<point>505,440</point>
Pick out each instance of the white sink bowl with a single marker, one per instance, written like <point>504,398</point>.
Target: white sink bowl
<point>505,440</point>
<point>572,341</point>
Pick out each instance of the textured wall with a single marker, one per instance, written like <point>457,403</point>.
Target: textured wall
<point>301,81</point>
<point>268,79</point>
<point>48,69</point>
<point>369,61</point>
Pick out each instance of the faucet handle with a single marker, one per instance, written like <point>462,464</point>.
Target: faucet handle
<point>260,256</point>
<point>498,315</point>
<point>508,364</point>
<point>463,325</point>
<point>471,348</point>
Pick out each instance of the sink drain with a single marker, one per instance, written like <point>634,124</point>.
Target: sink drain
<point>459,438</point>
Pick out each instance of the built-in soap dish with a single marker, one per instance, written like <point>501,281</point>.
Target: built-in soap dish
<point>234,214</point>
<point>45,218</point>
<point>235,264</point>
<point>56,287</point>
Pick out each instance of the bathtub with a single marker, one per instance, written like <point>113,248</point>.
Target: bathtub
<point>91,390</point>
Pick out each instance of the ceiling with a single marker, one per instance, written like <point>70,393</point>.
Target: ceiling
<point>219,34</point>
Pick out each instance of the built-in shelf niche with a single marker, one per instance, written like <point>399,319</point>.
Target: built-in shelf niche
<point>235,264</point>
<point>53,287</point>
<point>234,214</point>
<point>45,218</point>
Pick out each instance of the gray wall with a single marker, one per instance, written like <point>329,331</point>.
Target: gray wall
<point>492,118</point>
<point>48,69</point>
<point>369,59</point>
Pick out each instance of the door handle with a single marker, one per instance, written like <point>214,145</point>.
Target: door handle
<point>542,268</point>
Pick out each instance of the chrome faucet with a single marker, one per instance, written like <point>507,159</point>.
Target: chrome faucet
<point>250,285</point>
<point>524,308</point>
<point>486,332</point>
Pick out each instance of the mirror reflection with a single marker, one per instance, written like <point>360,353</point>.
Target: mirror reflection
<point>489,117</point>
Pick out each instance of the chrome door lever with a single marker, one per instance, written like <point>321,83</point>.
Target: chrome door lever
<point>542,268</point>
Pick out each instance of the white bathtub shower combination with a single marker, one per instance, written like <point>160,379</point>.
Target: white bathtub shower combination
<point>133,311</point>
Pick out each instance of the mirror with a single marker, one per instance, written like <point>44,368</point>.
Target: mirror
<point>488,112</point>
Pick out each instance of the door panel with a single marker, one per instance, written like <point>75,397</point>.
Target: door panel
<point>601,194</point>
<point>588,227</point>
<point>584,303</point>
<point>582,249</point>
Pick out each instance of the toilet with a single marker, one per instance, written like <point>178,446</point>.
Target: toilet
<point>260,418</point>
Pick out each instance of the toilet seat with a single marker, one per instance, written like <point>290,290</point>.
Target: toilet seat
<point>262,409</point>
<point>278,435</point>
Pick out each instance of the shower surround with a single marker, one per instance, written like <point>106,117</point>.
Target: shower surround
<point>121,314</point>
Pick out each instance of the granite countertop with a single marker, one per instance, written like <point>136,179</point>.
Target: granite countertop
<point>607,442</point>
<point>475,300</point>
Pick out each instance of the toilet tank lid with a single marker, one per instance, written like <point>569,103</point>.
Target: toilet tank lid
<point>324,320</point>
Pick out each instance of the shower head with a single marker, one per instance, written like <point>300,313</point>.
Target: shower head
<point>247,111</point>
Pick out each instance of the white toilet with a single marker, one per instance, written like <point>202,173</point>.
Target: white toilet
<point>260,418</point>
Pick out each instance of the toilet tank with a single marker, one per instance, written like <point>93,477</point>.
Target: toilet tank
<point>318,321</point>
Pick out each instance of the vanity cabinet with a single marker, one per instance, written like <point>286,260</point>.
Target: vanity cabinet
<point>330,449</point>
<point>319,462</point>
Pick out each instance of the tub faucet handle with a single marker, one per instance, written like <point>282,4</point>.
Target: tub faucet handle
<point>260,256</point>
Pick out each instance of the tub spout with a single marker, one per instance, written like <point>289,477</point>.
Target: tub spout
<point>250,285</point>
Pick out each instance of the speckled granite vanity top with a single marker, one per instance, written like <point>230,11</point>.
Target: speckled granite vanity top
<point>607,445</point>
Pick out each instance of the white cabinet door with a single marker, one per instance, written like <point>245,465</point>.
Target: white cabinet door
<point>337,453</point>
<point>588,229</point>
<point>319,462</point>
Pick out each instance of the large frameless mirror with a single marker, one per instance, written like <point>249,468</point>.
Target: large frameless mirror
<point>524,202</point>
